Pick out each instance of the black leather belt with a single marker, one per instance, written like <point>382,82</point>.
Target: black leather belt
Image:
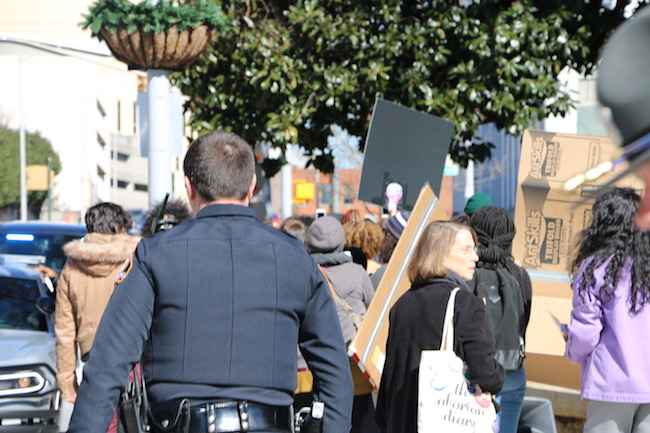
<point>226,416</point>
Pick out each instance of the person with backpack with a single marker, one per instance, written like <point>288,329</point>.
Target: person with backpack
<point>610,317</point>
<point>506,290</point>
<point>352,292</point>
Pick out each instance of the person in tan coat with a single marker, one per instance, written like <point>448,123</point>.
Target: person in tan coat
<point>94,263</point>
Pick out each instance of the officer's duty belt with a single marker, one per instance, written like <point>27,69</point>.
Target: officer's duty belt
<point>229,416</point>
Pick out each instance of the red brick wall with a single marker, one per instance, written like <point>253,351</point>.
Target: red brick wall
<point>349,180</point>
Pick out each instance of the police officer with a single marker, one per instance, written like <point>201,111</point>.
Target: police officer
<point>624,91</point>
<point>214,308</point>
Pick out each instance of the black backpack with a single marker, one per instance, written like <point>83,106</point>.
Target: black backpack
<point>502,293</point>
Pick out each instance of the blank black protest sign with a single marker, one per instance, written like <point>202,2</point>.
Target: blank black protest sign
<point>404,146</point>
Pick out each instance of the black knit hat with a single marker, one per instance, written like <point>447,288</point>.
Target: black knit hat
<point>624,78</point>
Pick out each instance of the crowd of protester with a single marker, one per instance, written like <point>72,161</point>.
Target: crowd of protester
<point>472,252</point>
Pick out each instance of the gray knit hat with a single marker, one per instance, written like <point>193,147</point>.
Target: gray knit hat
<point>325,235</point>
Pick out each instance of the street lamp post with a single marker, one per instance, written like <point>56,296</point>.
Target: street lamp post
<point>23,145</point>
<point>49,188</point>
<point>160,176</point>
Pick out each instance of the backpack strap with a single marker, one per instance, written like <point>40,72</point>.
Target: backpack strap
<point>340,302</point>
<point>447,342</point>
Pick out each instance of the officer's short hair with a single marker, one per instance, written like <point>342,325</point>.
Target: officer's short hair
<point>107,218</point>
<point>220,165</point>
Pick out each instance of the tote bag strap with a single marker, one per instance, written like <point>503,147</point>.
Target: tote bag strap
<point>447,342</point>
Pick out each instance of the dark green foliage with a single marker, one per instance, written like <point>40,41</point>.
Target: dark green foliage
<point>286,70</point>
<point>39,150</point>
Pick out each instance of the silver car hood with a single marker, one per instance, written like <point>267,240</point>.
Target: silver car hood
<point>18,347</point>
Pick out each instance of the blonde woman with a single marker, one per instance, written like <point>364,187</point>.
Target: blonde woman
<point>445,258</point>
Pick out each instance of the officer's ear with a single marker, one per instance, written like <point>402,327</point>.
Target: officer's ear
<point>193,197</point>
<point>251,188</point>
<point>189,189</point>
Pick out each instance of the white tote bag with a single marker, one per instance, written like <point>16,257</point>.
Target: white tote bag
<point>444,402</point>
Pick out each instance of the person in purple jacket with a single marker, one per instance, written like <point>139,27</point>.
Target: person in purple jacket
<point>610,320</point>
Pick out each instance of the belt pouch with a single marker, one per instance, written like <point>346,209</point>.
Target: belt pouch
<point>171,417</point>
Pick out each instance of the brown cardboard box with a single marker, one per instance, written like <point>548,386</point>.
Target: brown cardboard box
<point>545,361</point>
<point>548,220</point>
<point>369,345</point>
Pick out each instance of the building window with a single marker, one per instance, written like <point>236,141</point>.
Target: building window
<point>121,184</point>
<point>135,118</point>
<point>101,141</point>
<point>349,194</point>
<point>101,173</point>
<point>119,156</point>
<point>140,187</point>
<point>100,109</point>
<point>119,116</point>
<point>325,194</point>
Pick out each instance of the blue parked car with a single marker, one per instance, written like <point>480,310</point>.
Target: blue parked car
<point>29,395</point>
<point>29,398</point>
<point>36,242</point>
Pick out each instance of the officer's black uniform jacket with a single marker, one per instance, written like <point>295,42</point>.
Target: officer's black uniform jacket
<point>215,307</point>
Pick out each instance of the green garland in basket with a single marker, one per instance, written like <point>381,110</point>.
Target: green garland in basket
<point>152,17</point>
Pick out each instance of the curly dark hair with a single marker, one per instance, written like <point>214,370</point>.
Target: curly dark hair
<point>175,212</point>
<point>613,238</point>
<point>495,231</point>
<point>107,218</point>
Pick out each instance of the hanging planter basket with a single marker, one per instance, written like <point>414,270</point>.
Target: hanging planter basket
<point>172,49</point>
<point>167,34</point>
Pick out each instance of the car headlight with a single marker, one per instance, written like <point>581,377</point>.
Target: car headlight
<point>21,382</point>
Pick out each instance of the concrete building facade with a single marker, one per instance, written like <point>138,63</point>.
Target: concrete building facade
<point>77,96</point>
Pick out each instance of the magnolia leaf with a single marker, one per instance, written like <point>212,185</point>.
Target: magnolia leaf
<point>312,64</point>
<point>95,26</point>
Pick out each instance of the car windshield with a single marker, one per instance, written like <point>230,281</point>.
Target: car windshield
<point>18,310</point>
<point>35,248</point>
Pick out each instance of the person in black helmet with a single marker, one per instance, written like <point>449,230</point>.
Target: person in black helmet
<point>214,309</point>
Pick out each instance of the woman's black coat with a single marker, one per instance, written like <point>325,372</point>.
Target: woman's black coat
<point>416,322</point>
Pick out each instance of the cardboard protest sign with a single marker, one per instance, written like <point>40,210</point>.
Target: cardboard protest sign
<point>404,146</point>
<point>548,220</point>
<point>547,217</point>
<point>368,348</point>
